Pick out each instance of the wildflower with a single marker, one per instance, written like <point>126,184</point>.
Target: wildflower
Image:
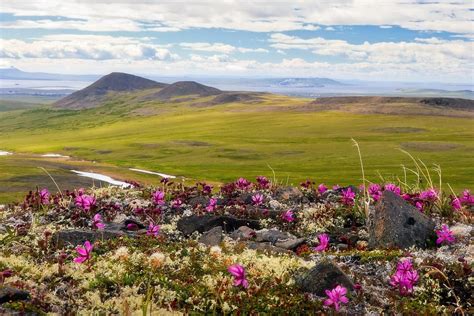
<point>132,226</point>
<point>84,252</point>
<point>122,253</point>
<point>97,222</point>
<point>429,195</point>
<point>307,184</point>
<point>176,203</point>
<point>86,202</point>
<point>336,296</point>
<point>288,216</point>
<point>157,259</point>
<point>159,197</point>
<point>323,243</point>
<point>419,205</point>
<point>445,235</point>
<point>212,205</point>
<point>392,187</point>
<point>215,251</point>
<point>348,197</point>
<point>263,182</point>
<point>153,230</point>
<point>243,183</point>
<point>405,277</point>
<point>456,204</point>
<point>336,187</point>
<point>375,191</point>
<point>257,199</point>
<point>322,188</point>
<point>467,198</point>
<point>238,272</point>
<point>44,196</point>
<point>206,189</point>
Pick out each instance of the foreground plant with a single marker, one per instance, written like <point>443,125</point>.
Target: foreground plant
<point>336,297</point>
<point>238,271</point>
<point>84,252</point>
<point>405,277</point>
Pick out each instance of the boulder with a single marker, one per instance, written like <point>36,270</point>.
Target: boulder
<point>323,276</point>
<point>273,235</point>
<point>267,247</point>
<point>286,194</point>
<point>190,224</point>
<point>290,244</point>
<point>243,233</point>
<point>396,224</point>
<point>11,294</point>
<point>212,237</point>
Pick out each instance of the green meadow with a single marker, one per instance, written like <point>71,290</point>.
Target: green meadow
<point>223,142</point>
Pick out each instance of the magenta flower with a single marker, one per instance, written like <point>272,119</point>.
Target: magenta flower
<point>429,195</point>
<point>405,277</point>
<point>212,205</point>
<point>348,197</point>
<point>153,230</point>
<point>159,197</point>
<point>176,203</point>
<point>97,222</point>
<point>336,296</point>
<point>322,188</point>
<point>467,198</point>
<point>288,216</point>
<point>323,243</point>
<point>445,235</point>
<point>375,191</point>
<point>257,199</point>
<point>44,196</point>
<point>263,182</point>
<point>456,204</point>
<point>238,272</point>
<point>336,187</point>
<point>243,184</point>
<point>86,202</point>
<point>419,205</point>
<point>392,187</point>
<point>132,226</point>
<point>84,253</point>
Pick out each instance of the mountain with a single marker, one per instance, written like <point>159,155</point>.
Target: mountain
<point>305,82</point>
<point>13,73</point>
<point>94,94</point>
<point>184,88</point>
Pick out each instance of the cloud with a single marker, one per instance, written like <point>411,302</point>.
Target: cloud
<point>84,47</point>
<point>220,48</point>
<point>255,16</point>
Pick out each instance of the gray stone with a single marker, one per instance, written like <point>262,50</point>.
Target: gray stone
<point>212,237</point>
<point>11,294</point>
<point>243,233</point>
<point>396,224</point>
<point>290,244</point>
<point>267,247</point>
<point>286,194</point>
<point>273,235</point>
<point>190,224</point>
<point>325,275</point>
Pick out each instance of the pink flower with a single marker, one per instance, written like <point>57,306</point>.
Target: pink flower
<point>445,235</point>
<point>336,296</point>
<point>212,205</point>
<point>84,253</point>
<point>288,216</point>
<point>405,277</point>
<point>132,226</point>
<point>348,197</point>
<point>467,198</point>
<point>97,222</point>
<point>176,203</point>
<point>375,191</point>
<point>456,204</point>
<point>323,243</point>
<point>159,197</point>
<point>392,187</point>
<point>263,182</point>
<point>336,187</point>
<point>322,188</point>
<point>257,199</point>
<point>243,183</point>
<point>429,195</point>
<point>86,202</point>
<point>238,272</point>
<point>44,196</point>
<point>419,205</point>
<point>153,230</point>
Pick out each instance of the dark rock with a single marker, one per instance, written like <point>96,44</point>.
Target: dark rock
<point>267,247</point>
<point>286,194</point>
<point>323,276</point>
<point>199,200</point>
<point>190,224</point>
<point>290,244</point>
<point>395,223</point>
<point>11,294</point>
<point>243,233</point>
<point>212,237</point>
<point>273,235</point>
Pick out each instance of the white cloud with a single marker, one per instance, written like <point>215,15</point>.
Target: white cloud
<point>220,48</point>
<point>259,16</point>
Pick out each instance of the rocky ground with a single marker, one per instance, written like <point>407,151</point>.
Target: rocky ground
<point>243,248</point>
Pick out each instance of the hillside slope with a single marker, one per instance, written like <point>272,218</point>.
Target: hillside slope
<point>183,88</point>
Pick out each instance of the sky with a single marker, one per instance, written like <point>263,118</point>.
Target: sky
<point>387,40</point>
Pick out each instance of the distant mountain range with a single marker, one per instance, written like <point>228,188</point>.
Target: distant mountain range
<point>13,73</point>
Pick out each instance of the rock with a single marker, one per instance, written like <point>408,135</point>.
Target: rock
<point>268,247</point>
<point>199,200</point>
<point>190,224</point>
<point>395,223</point>
<point>243,233</point>
<point>342,247</point>
<point>325,275</point>
<point>275,205</point>
<point>290,244</point>
<point>212,237</point>
<point>285,194</point>
<point>11,294</point>
<point>272,235</point>
<point>461,230</point>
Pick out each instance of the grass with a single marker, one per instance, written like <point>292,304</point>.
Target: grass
<point>221,143</point>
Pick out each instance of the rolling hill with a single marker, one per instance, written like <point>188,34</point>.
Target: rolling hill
<point>183,88</point>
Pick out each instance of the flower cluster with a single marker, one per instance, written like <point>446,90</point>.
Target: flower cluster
<point>336,296</point>
<point>405,277</point>
<point>445,235</point>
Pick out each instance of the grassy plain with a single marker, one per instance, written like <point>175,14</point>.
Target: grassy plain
<point>223,142</point>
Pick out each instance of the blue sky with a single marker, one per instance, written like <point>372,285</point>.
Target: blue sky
<point>347,39</point>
